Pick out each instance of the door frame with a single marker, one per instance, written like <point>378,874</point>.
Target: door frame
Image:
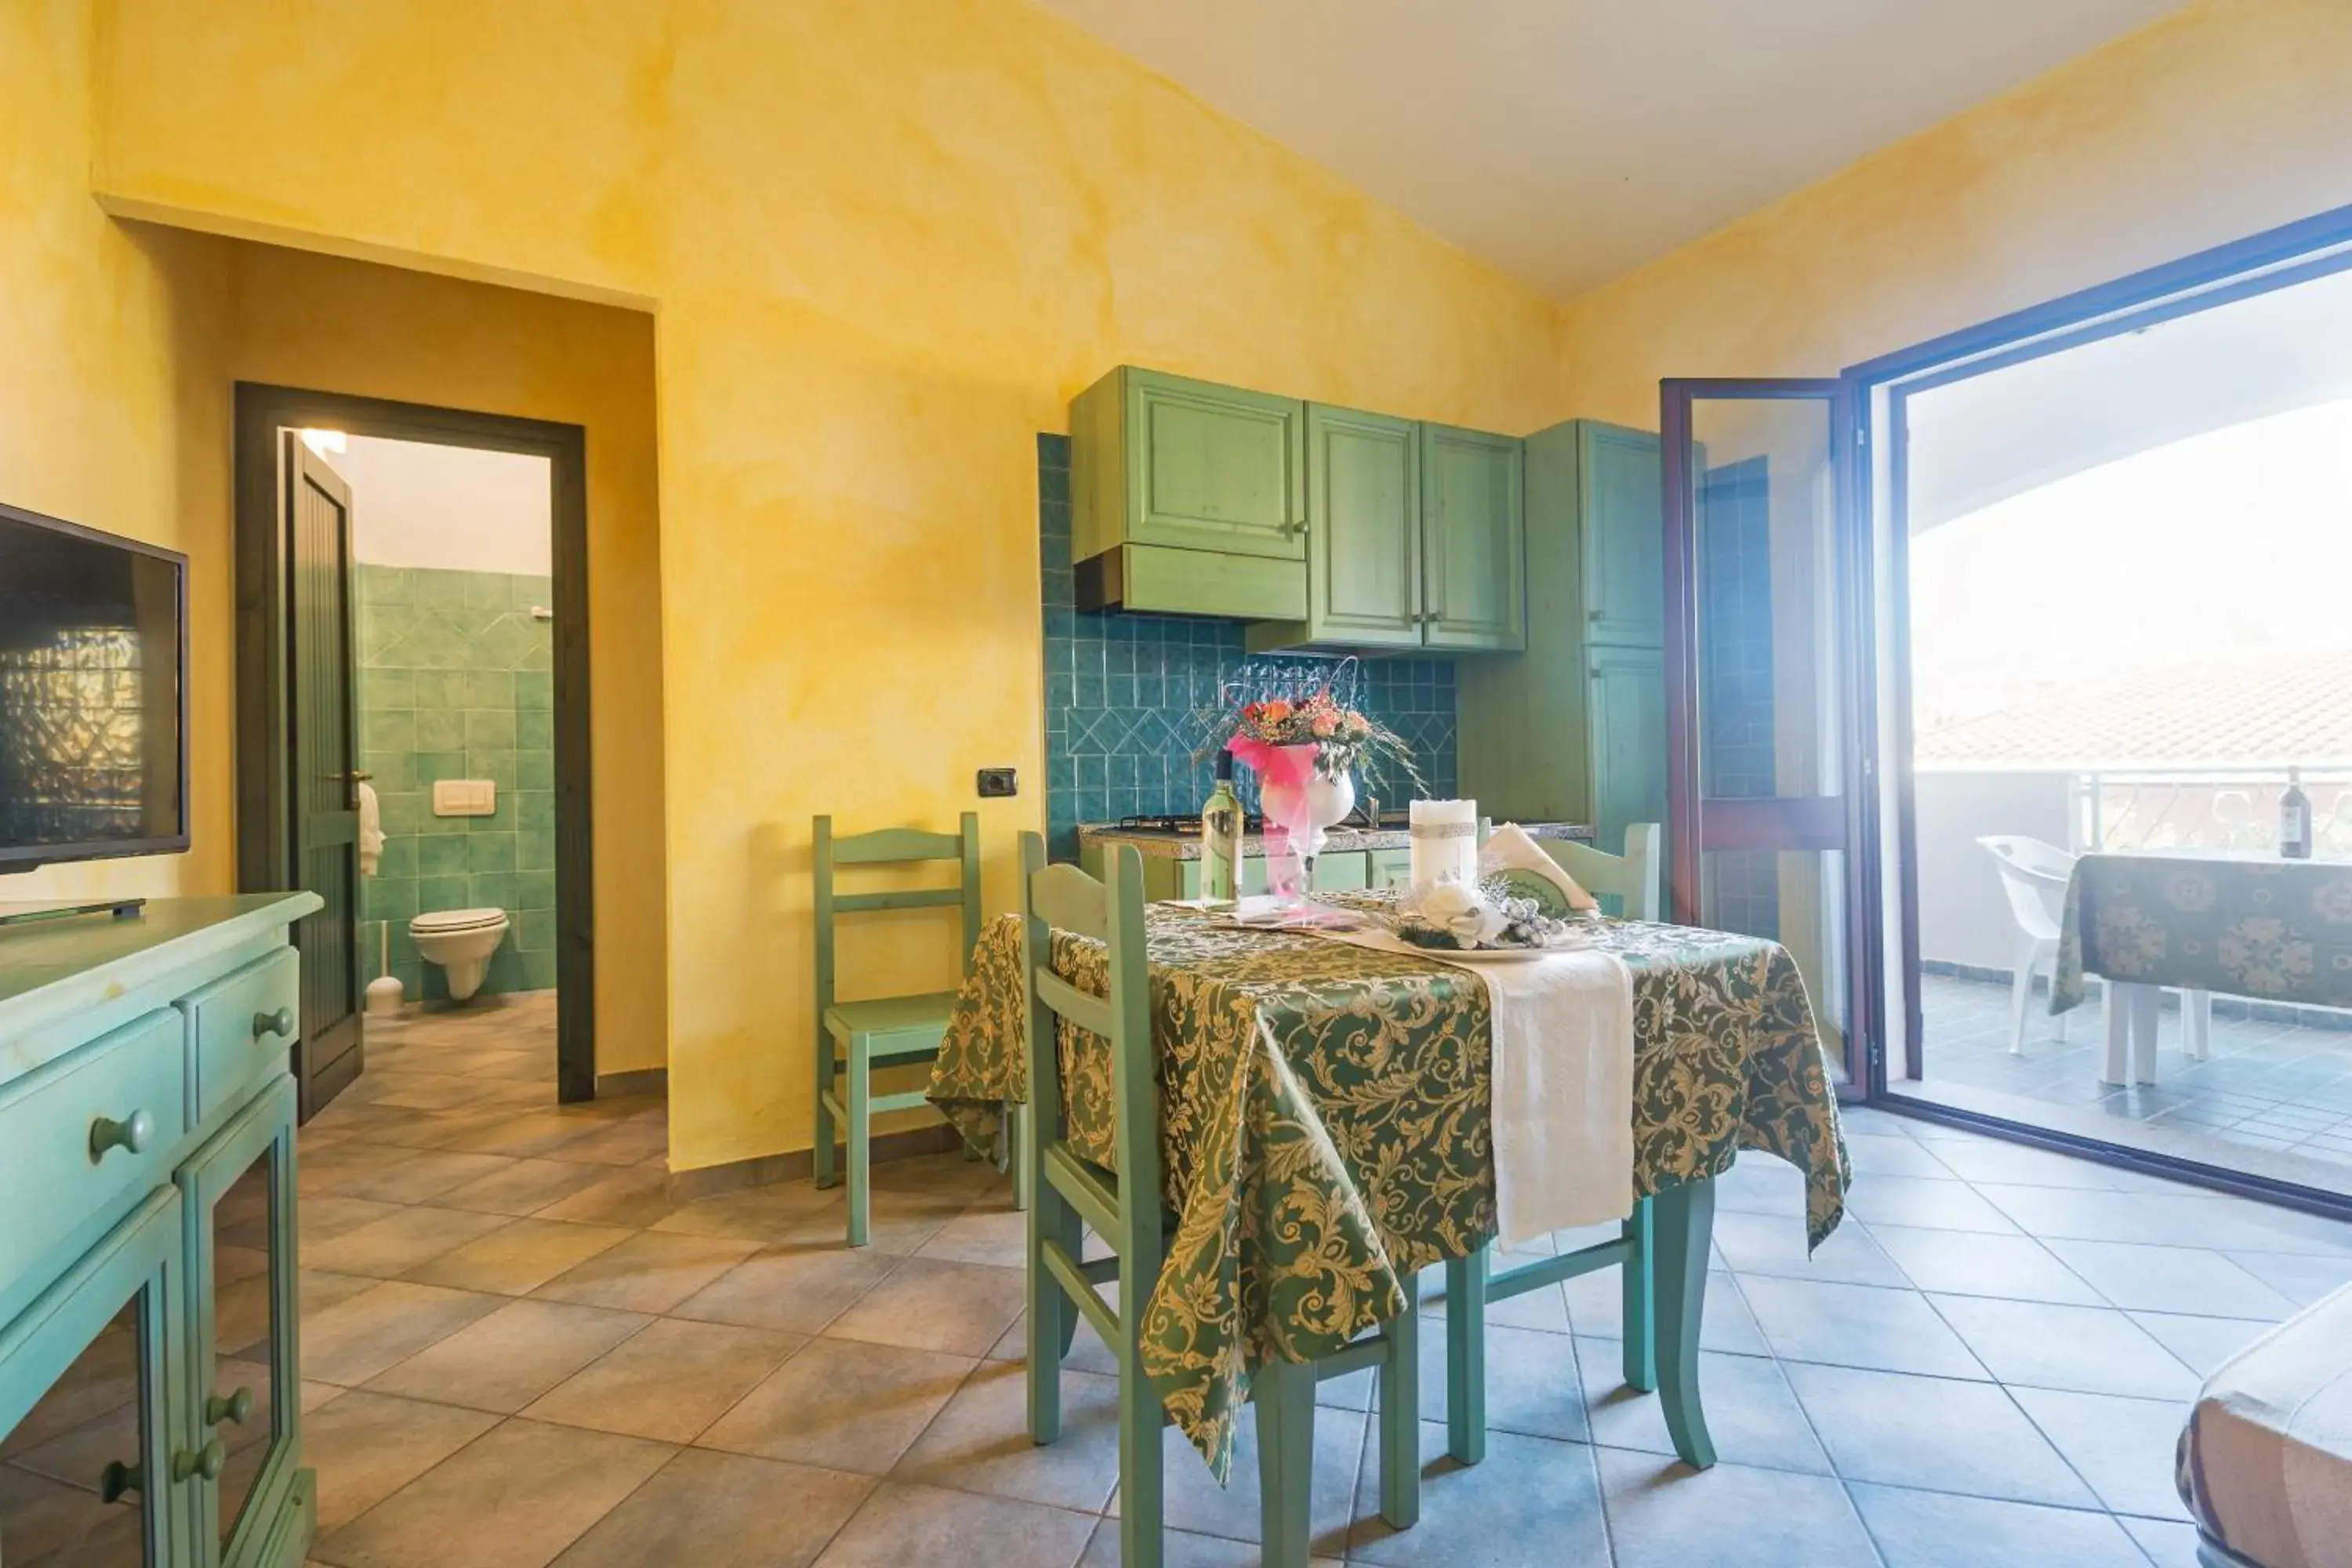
<point>264,749</point>
<point>1796,823</point>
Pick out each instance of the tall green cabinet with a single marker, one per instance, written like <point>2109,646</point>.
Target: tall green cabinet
<point>1576,729</point>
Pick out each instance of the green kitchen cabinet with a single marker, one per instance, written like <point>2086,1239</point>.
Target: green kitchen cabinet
<point>1363,532</point>
<point>1472,526</point>
<point>1160,464</point>
<point>1166,876</point>
<point>1575,729</point>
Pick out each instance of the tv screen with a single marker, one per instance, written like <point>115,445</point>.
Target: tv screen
<point>93,705</point>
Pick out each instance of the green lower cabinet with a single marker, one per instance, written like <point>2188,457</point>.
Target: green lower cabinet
<point>1166,876</point>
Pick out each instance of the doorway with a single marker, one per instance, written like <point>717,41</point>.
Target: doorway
<point>358,647</point>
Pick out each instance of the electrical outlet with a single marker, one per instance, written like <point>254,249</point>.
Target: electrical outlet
<point>996,784</point>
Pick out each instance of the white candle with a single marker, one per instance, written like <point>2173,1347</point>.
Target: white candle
<point>1443,841</point>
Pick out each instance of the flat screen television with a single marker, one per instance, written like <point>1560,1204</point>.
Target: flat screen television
<point>94,694</point>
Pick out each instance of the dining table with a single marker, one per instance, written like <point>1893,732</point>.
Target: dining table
<point>1326,1115</point>
<point>2240,921</point>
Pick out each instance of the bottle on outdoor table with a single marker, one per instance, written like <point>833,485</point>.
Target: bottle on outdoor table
<point>2294,818</point>
<point>1220,836</point>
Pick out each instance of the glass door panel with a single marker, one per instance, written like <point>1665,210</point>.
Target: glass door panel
<point>246,1333</point>
<point>1759,679</point>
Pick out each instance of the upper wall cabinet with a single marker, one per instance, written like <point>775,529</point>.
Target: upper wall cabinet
<point>1160,464</point>
<point>1624,564</point>
<point>1472,526</point>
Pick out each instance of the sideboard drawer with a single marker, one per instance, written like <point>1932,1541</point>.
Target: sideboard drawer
<point>87,1128</point>
<point>244,1024</point>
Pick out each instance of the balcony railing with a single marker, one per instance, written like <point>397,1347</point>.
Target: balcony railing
<point>2183,808</point>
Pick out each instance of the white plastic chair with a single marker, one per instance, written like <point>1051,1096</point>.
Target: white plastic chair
<point>2034,876</point>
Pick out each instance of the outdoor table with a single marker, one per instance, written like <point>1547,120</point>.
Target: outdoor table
<point>2242,922</point>
<point>1326,1110</point>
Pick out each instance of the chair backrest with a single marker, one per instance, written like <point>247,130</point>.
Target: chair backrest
<point>1630,878</point>
<point>892,846</point>
<point>1063,898</point>
<point>2035,874</point>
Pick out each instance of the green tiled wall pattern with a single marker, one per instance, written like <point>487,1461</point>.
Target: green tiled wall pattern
<point>455,682</point>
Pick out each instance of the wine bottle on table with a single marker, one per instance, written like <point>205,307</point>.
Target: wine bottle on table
<point>1220,836</point>
<point>2294,818</point>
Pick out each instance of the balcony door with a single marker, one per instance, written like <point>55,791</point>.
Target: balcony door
<point>1767,740</point>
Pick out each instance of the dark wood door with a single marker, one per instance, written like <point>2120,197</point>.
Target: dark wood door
<point>316,512</point>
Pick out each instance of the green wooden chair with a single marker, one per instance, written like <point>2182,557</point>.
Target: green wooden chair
<point>883,1031</point>
<point>1069,1193</point>
<point>1662,1248</point>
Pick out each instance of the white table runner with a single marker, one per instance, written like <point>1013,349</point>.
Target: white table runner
<point>1562,1026</point>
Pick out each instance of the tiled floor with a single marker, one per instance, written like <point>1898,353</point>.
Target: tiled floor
<point>520,1351</point>
<point>2276,1086</point>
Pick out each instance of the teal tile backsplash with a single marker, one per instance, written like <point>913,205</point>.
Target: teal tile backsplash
<point>455,682</point>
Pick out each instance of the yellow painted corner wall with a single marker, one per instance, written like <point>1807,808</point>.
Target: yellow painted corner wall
<point>2225,119</point>
<point>886,243</point>
<point>109,410</point>
<point>324,323</point>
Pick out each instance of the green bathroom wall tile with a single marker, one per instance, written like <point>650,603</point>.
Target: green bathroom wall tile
<point>399,811</point>
<point>439,640</point>
<point>382,689</point>
<point>491,891</point>
<point>440,729</point>
<point>398,858</point>
<point>534,889</point>
<point>538,971</point>
<point>388,731</point>
<point>534,930</point>
<point>531,590</point>
<point>501,820</point>
<point>384,585</point>
<point>489,852</point>
<point>440,590</point>
<point>388,898</point>
<point>535,770</point>
<point>502,644</point>
<point>534,690</point>
<point>442,855</point>
<point>441,893</point>
<point>535,810</point>
<point>490,689</point>
<point>535,851</point>
<point>535,730</point>
<point>490,728</point>
<point>489,590</point>
<point>440,688</point>
<point>442,827</point>
<point>438,764</point>
<point>537,658</point>
<point>393,770</point>
<point>498,767</point>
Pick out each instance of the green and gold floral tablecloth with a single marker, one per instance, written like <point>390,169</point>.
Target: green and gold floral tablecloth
<point>1326,1115</point>
<point>2244,924</point>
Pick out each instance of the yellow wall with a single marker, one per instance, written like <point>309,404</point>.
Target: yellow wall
<point>2227,118</point>
<point>108,345</point>
<point>886,243</point>
<point>295,318</point>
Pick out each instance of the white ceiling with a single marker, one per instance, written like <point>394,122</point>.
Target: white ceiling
<point>1569,140</point>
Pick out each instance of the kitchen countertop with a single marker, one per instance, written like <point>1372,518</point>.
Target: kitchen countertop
<point>1337,841</point>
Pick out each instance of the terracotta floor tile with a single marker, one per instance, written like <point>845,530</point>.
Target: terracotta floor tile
<point>520,1255</point>
<point>399,1242</point>
<point>902,1524</point>
<point>506,1360</point>
<point>524,1187</point>
<point>356,1339</point>
<point>668,1382</point>
<point>784,1289</point>
<point>959,1307</point>
<point>846,1406</point>
<point>635,1197</point>
<point>723,1511</point>
<point>649,1272</point>
<point>514,1498</point>
<point>365,1447</point>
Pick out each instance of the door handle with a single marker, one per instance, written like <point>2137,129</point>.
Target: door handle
<point>354,776</point>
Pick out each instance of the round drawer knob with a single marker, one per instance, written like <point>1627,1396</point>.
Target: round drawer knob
<point>281,1022</point>
<point>208,1461</point>
<point>118,1478</point>
<point>133,1135</point>
<point>234,1407</point>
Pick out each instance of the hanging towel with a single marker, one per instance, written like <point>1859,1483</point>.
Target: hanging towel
<point>1562,1028</point>
<point>370,829</point>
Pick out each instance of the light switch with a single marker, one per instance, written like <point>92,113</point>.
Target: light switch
<point>464,797</point>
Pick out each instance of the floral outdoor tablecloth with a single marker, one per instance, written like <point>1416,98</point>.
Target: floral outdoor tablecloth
<point>2245,925</point>
<point>1325,1116</point>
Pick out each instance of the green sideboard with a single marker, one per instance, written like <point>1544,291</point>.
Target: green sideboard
<point>1329,528</point>
<point>1576,729</point>
<point>149,1394</point>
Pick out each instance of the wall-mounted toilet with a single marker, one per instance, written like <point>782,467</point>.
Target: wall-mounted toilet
<point>461,943</point>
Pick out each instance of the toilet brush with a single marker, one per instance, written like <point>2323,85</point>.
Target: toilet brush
<point>383,991</point>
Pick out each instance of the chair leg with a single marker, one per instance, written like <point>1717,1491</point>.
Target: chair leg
<point>1465,1356</point>
<point>2020,995</point>
<point>1141,1538</point>
<point>2197,1024</point>
<point>1052,1316</point>
<point>2114,1014</point>
<point>1685,1225</point>
<point>1018,1131</point>
<point>825,1131</point>
<point>1399,1397</point>
<point>2145,1004</point>
<point>1285,1395</point>
<point>854,1102</point>
<point>1641,1339</point>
